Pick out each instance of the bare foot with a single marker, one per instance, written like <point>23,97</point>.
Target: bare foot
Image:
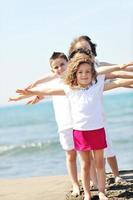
<point>118,179</point>
<point>93,186</point>
<point>75,191</point>
<point>87,197</point>
<point>102,196</point>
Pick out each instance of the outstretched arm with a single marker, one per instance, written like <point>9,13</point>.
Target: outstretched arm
<point>129,86</point>
<point>19,97</point>
<point>118,83</point>
<point>45,79</point>
<point>45,92</point>
<point>119,74</point>
<point>107,69</point>
<point>36,99</point>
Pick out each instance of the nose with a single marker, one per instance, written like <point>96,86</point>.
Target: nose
<point>59,68</point>
<point>84,74</point>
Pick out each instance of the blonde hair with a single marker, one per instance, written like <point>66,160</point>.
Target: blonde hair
<point>73,66</point>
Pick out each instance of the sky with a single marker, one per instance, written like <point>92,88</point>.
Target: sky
<point>30,30</point>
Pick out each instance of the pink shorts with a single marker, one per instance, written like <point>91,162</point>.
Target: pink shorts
<point>89,140</point>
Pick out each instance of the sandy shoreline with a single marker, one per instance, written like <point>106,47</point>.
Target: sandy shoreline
<point>35,188</point>
<point>56,187</point>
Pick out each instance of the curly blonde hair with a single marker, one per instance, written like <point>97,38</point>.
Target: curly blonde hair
<point>73,66</point>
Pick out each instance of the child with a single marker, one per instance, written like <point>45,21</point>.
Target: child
<point>85,96</point>
<point>85,42</point>
<point>58,62</point>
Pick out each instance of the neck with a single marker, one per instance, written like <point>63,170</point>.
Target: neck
<point>84,86</point>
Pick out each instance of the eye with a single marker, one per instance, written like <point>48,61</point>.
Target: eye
<point>62,64</point>
<point>56,67</point>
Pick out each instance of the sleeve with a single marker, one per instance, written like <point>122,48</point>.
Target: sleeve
<point>101,81</point>
<point>67,89</point>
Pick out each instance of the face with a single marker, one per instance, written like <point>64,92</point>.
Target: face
<point>59,65</point>
<point>84,75</point>
<point>83,44</point>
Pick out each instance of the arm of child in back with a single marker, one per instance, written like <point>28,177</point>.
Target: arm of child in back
<point>35,99</point>
<point>45,79</point>
<point>107,69</point>
<point>119,74</point>
<point>118,83</point>
<point>42,92</point>
<point>19,97</point>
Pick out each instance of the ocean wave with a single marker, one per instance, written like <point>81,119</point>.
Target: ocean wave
<point>27,148</point>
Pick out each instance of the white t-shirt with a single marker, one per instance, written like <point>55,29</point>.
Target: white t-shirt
<point>87,105</point>
<point>61,108</point>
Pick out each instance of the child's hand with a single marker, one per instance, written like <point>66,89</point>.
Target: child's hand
<point>17,98</point>
<point>130,86</point>
<point>12,99</point>
<point>123,66</point>
<point>30,86</point>
<point>24,92</point>
<point>35,100</point>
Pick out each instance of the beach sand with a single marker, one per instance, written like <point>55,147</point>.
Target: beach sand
<point>58,188</point>
<point>35,188</point>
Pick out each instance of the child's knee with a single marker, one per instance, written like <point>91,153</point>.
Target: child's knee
<point>100,165</point>
<point>71,156</point>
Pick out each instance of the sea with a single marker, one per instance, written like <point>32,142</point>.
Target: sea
<point>29,142</point>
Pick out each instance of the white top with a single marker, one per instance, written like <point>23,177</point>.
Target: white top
<point>87,105</point>
<point>61,108</point>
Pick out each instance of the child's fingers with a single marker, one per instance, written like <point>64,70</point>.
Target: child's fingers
<point>123,66</point>
<point>36,100</point>
<point>12,99</point>
<point>29,102</point>
<point>127,65</point>
<point>19,91</point>
<point>130,64</point>
<point>33,101</point>
<point>29,87</point>
<point>22,91</point>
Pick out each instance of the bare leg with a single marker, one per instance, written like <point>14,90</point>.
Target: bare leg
<point>72,170</point>
<point>100,166</point>
<point>85,173</point>
<point>93,173</point>
<point>113,164</point>
<point>112,161</point>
